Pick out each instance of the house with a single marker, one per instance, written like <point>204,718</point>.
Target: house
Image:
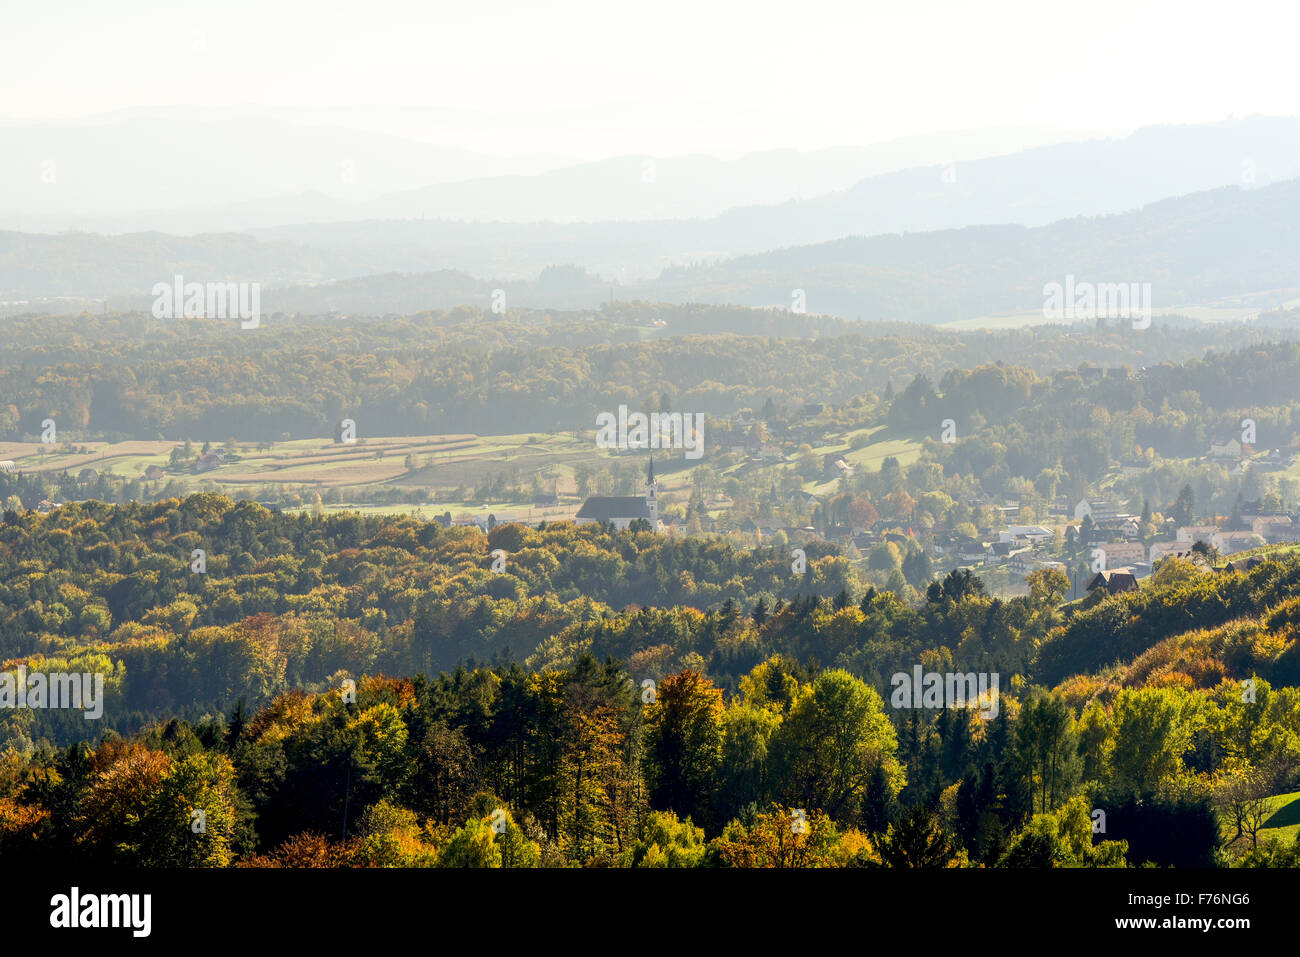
<point>1230,449</point>
<point>1267,526</point>
<point>209,461</point>
<point>1191,534</point>
<point>1229,542</point>
<point>969,550</point>
<point>1114,581</point>
<point>1273,534</point>
<point>1159,550</point>
<point>1128,527</point>
<point>1099,510</point>
<point>998,552</point>
<point>1030,533</point>
<point>1003,552</point>
<point>834,466</point>
<point>1023,562</point>
<point>1243,564</point>
<point>546,501</point>
<point>7,465</point>
<point>1123,553</point>
<point>622,510</point>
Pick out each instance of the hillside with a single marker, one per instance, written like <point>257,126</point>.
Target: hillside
<point>1230,247</point>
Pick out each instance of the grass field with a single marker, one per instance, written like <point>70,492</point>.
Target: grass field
<point>441,464</point>
<point>880,447</point>
<point>1282,824</point>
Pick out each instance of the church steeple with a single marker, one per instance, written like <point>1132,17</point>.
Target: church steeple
<point>651,495</point>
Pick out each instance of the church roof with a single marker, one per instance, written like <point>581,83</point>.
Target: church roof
<point>603,508</point>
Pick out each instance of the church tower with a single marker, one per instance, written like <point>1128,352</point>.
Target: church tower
<point>651,495</point>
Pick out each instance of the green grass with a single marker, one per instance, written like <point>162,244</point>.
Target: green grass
<point>1284,823</point>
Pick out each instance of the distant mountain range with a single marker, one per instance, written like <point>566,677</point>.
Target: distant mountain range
<point>190,170</point>
<point>297,176</point>
<point>1226,246</point>
<point>1030,188</point>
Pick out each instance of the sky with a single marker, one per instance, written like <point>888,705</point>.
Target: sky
<point>589,78</point>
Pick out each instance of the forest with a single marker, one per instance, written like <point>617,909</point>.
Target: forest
<point>466,370</point>
<point>349,691</point>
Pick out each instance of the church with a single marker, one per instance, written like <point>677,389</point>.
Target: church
<point>622,510</point>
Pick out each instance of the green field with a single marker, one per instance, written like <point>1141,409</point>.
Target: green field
<point>1282,824</point>
<point>443,464</point>
<point>869,457</point>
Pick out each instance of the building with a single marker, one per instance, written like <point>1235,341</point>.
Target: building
<point>1029,533</point>
<point>1123,553</point>
<point>1228,542</point>
<point>622,510</point>
<point>1099,510</point>
<point>1273,528</point>
<point>834,466</point>
<point>1114,581</point>
<point>1159,550</point>
<point>1243,564</point>
<point>1001,552</point>
<point>1191,534</point>
<point>1231,449</point>
<point>970,550</point>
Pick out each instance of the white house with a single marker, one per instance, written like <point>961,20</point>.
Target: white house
<point>1229,542</point>
<point>1191,534</point>
<point>1099,510</point>
<point>1030,533</point>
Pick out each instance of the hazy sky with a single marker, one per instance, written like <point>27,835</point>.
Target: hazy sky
<point>701,75</point>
